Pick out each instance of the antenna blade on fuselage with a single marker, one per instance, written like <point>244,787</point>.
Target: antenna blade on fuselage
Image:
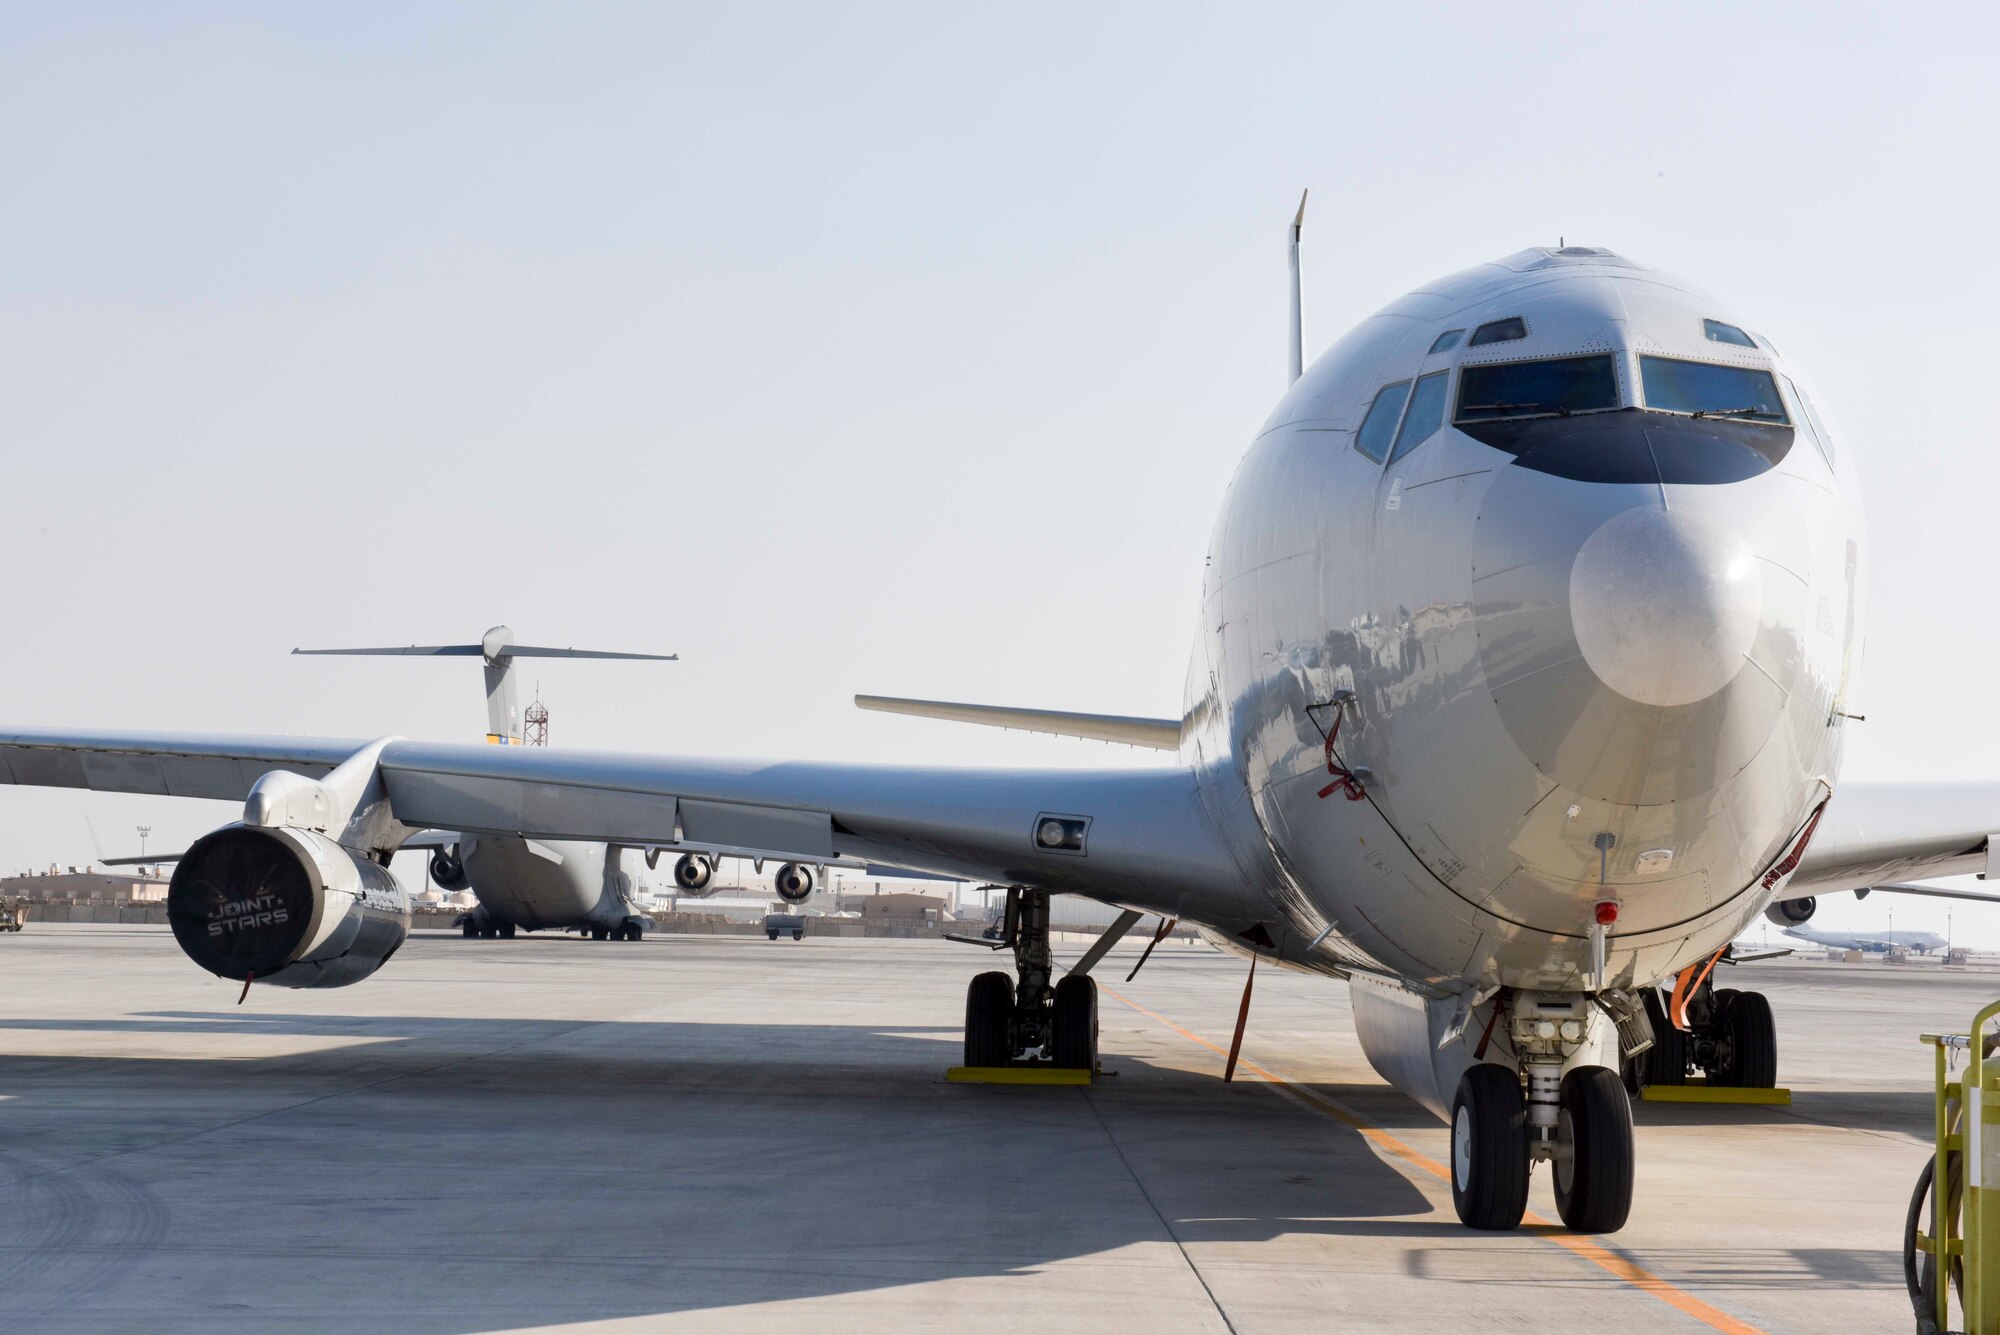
<point>1298,365</point>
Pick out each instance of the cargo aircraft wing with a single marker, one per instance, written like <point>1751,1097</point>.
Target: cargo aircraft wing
<point>1140,838</point>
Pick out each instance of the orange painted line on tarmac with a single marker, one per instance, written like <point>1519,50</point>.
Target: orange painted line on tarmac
<point>1575,1243</point>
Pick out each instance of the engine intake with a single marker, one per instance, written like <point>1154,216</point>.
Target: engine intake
<point>1792,912</point>
<point>285,906</point>
<point>694,875</point>
<point>447,872</point>
<point>794,883</point>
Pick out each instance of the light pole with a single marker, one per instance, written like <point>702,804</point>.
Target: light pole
<point>144,830</point>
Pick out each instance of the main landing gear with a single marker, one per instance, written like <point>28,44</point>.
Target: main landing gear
<point>481,923</point>
<point>1730,1037</point>
<point>1579,1120</point>
<point>1025,1018</point>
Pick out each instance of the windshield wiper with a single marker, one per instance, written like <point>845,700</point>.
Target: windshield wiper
<point>1555,408</point>
<point>1737,412</point>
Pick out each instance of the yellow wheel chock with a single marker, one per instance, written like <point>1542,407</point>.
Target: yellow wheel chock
<point>1017,1075</point>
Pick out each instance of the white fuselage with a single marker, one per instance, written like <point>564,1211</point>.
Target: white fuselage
<point>1594,655</point>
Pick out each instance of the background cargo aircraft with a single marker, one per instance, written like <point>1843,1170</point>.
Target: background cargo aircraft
<point>542,884</point>
<point>1921,942</point>
<point>1526,633</point>
<point>527,883</point>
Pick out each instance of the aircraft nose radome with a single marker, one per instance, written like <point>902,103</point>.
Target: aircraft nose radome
<point>1637,648</point>
<point>1665,604</point>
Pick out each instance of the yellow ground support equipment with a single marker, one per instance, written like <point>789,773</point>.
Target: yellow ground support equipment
<point>1961,1248</point>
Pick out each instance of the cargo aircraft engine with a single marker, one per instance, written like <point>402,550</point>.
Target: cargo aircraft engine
<point>795,883</point>
<point>447,871</point>
<point>285,906</point>
<point>694,875</point>
<point>1792,912</point>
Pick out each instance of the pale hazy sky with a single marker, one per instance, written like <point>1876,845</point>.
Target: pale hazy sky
<point>900,349</point>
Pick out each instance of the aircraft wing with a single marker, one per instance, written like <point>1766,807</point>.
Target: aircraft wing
<point>165,764</point>
<point>1135,837</point>
<point>1872,834</point>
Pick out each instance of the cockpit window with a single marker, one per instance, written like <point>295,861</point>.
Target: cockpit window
<point>1380,425</point>
<point>1446,341</point>
<point>1706,390</point>
<point>1499,331</point>
<point>1719,332</point>
<point>1553,388</point>
<point>1425,416</point>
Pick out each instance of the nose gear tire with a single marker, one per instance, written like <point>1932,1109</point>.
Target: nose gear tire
<point>1489,1148</point>
<point>1593,1182</point>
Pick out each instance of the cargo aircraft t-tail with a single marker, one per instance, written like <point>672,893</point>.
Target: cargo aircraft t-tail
<point>561,884</point>
<point>1523,662</point>
<point>522,883</point>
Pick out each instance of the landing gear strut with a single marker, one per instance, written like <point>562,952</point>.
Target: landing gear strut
<point>1030,1016</point>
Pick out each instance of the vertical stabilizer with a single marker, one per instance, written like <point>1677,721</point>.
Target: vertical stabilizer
<point>503,707</point>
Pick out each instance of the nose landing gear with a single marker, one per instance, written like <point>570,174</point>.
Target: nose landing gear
<point>1563,1106</point>
<point>1025,1018</point>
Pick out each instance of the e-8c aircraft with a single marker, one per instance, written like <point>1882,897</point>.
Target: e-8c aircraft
<point>1525,645</point>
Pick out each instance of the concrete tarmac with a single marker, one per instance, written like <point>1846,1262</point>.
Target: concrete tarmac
<point>724,1134</point>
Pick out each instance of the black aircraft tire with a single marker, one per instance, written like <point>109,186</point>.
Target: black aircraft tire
<point>635,932</point>
<point>1665,1063</point>
<point>989,1012</point>
<point>471,932</point>
<point>1075,1023</point>
<point>1753,1043</point>
<point>598,934</point>
<point>1594,1188</point>
<point>1489,1148</point>
<point>507,930</point>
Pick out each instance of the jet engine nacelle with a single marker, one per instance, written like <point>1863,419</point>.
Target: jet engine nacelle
<point>694,875</point>
<point>794,882</point>
<point>1792,912</point>
<point>447,872</point>
<point>285,906</point>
